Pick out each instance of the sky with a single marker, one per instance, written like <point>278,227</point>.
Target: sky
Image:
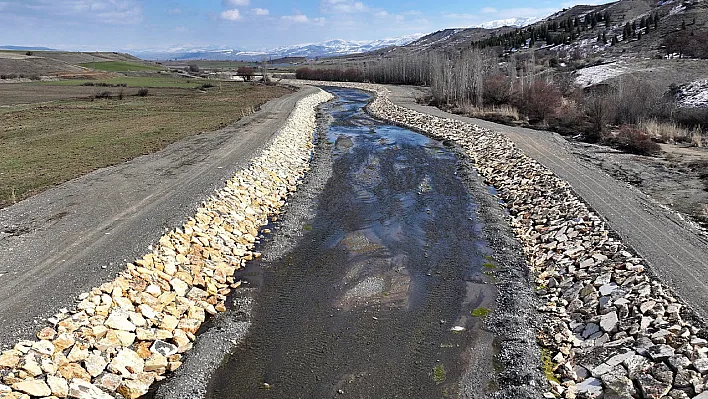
<point>124,25</point>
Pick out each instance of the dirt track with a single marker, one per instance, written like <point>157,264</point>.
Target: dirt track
<point>63,241</point>
<point>676,251</point>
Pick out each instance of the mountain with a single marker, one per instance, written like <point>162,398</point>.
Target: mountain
<point>25,48</point>
<point>515,22</point>
<point>309,50</point>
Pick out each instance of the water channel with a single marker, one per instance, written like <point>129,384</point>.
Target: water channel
<point>375,298</point>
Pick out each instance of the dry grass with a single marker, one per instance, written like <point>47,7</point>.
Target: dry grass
<point>670,132</point>
<point>493,112</point>
<point>50,143</point>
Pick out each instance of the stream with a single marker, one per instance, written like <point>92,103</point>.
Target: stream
<point>375,298</point>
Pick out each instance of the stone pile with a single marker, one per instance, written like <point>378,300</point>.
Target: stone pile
<point>128,333</point>
<point>612,330</point>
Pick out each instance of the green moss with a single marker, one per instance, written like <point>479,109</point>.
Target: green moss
<point>439,374</point>
<point>489,266</point>
<point>307,227</point>
<point>481,312</point>
<point>548,365</point>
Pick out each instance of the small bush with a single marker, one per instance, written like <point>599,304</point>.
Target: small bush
<point>665,132</point>
<point>121,94</point>
<point>193,68</point>
<point>103,95</point>
<point>88,84</point>
<point>143,92</point>
<point>634,141</point>
<point>29,53</point>
<point>539,101</point>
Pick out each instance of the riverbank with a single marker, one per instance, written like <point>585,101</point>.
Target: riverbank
<point>611,328</point>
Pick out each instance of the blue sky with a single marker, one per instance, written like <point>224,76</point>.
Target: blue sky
<point>246,24</point>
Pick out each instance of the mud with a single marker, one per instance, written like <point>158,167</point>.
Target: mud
<point>364,302</point>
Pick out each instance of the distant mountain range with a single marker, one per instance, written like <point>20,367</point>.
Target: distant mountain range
<point>514,22</point>
<point>25,48</point>
<point>310,50</point>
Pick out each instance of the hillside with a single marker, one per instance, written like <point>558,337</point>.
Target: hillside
<point>27,63</point>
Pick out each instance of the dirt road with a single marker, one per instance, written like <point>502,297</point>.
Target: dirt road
<point>676,251</point>
<point>80,234</point>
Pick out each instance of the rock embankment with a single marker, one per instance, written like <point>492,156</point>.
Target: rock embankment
<point>611,330</point>
<point>128,333</point>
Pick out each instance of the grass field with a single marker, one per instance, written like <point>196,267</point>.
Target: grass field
<point>46,144</point>
<point>134,81</point>
<point>118,66</point>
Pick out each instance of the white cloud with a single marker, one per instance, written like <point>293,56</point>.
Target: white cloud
<point>382,14</point>
<point>488,10</point>
<point>235,3</point>
<point>122,12</point>
<point>260,11</point>
<point>231,15</point>
<point>299,18</point>
<point>343,6</point>
<point>175,11</point>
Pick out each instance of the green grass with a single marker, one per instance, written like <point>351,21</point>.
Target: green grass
<point>481,312</point>
<point>49,143</point>
<point>120,66</point>
<point>134,81</point>
<point>439,374</point>
<point>548,365</point>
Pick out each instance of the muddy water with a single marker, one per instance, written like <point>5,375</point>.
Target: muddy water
<point>365,304</point>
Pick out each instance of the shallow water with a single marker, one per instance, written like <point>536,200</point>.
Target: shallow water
<point>364,304</point>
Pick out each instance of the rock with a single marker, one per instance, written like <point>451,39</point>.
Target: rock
<point>120,321</point>
<point>607,289</point>
<point>58,385</point>
<point>686,378</point>
<point>169,322</point>
<point>600,370</point>
<point>636,365</point>
<point>63,341</point>
<point>46,334</point>
<point>33,388</point>
<point>608,322</point>
<point>660,352</point>
<point>78,353</point>
<point>591,388</point>
<point>156,363</point>
<point>179,286</point>
<point>9,361</point>
<point>590,330</point>
<point>651,388</point>
<point>126,363</point>
<point>678,362</point>
<point>662,373</point>
<point>133,389</point>
<point>618,387</point>
<point>31,366</point>
<point>85,390</point>
<point>703,395</point>
<point>163,348</point>
<point>701,365</point>
<point>72,371</point>
<point>95,364</point>
<point>109,382</point>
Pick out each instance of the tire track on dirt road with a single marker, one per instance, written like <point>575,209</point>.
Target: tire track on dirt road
<point>676,251</point>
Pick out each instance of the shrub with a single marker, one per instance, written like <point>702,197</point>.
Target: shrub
<point>103,95</point>
<point>193,68</point>
<point>143,92</point>
<point>497,89</point>
<point>245,72</point>
<point>600,111</point>
<point>29,53</point>
<point>634,141</point>
<point>121,94</point>
<point>539,101</point>
<point>206,86</point>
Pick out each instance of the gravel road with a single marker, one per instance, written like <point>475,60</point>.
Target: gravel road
<point>78,235</point>
<point>676,251</point>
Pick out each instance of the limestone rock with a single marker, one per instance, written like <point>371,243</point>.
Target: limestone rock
<point>59,386</point>
<point>126,363</point>
<point>33,388</point>
<point>85,390</point>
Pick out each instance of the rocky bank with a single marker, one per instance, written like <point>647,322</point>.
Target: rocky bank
<point>128,333</point>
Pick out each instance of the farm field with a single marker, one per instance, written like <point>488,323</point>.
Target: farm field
<point>46,144</point>
<point>119,66</point>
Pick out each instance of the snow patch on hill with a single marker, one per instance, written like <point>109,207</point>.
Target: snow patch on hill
<point>694,94</point>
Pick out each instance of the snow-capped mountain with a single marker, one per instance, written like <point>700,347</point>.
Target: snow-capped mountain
<point>310,50</point>
<point>515,22</point>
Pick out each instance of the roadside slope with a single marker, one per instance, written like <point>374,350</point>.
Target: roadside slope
<point>676,251</point>
<point>79,234</point>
